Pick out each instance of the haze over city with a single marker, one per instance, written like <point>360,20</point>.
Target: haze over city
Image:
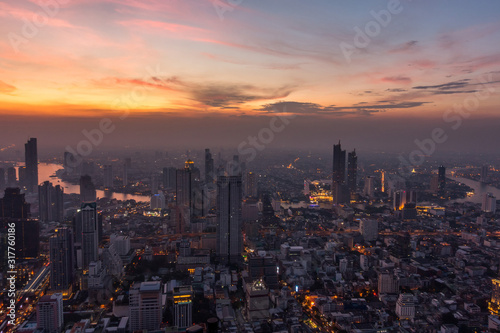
<point>249,166</point>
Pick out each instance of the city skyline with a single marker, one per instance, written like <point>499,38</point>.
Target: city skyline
<point>187,70</point>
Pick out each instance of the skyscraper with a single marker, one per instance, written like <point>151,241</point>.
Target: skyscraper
<point>14,205</point>
<point>2,179</point>
<point>87,189</point>
<point>145,309</point>
<point>441,179</point>
<point>11,177</point>
<point>209,167</point>
<point>61,259</point>
<point>51,202</point>
<point>88,221</point>
<point>368,229</point>
<point>49,313</point>
<point>183,306</point>
<point>31,163</point>
<point>489,204</point>
<point>229,237</point>
<point>169,175</point>
<point>338,175</point>
<point>108,176</point>
<point>494,304</point>
<point>369,189</point>
<point>352,171</point>
<point>251,185</point>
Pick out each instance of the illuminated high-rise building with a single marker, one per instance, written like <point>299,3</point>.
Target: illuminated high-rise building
<point>441,179</point>
<point>31,163</point>
<point>145,309</point>
<point>88,221</point>
<point>229,219</point>
<point>183,307</point>
<point>51,202</point>
<point>251,185</point>
<point>61,259</point>
<point>494,304</point>
<point>49,313</point>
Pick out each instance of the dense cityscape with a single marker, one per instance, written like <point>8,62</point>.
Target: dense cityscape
<point>205,242</point>
<point>249,166</point>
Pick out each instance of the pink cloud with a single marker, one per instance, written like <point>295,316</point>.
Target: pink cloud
<point>6,88</point>
<point>396,79</point>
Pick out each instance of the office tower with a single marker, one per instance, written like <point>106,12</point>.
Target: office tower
<point>489,204</point>
<point>51,202</point>
<point>387,283</point>
<point>441,179</point>
<point>61,259</point>
<point>157,201</point>
<point>128,162</point>
<point>121,243</point>
<point>184,186</point>
<point>87,189</point>
<point>112,261</point>
<point>405,307</point>
<point>108,176</point>
<point>484,173</point>
<point>434,184</point>
<point>368,229</point>
<point>14,205</point>
<point>87,221</point>
<point>145,307</point>
<point>403,198</point>
<point>262,266</point>
<point>209,167</point>
<point>155,183</point>
<point>183,307</point>
<point>169,178</point>
<point>11,177</point>
<point>369,189</point>
<point>2,179</point>
<point>494,304</point>
<point>251,185</point>
<point>49,313</point>
<point>31,163</point>
<point>382,181</point>
<point>257,300</point>
<point>338,175</point>
<point>352,172</point>
<point>229,237</point>
<point>23,181</point>
<point>339,189</point>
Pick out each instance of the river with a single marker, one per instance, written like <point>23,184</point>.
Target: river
<point>46,170</point>
<point>479,189</point>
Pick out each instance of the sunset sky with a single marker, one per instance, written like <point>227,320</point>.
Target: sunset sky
<point>236,62</point>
